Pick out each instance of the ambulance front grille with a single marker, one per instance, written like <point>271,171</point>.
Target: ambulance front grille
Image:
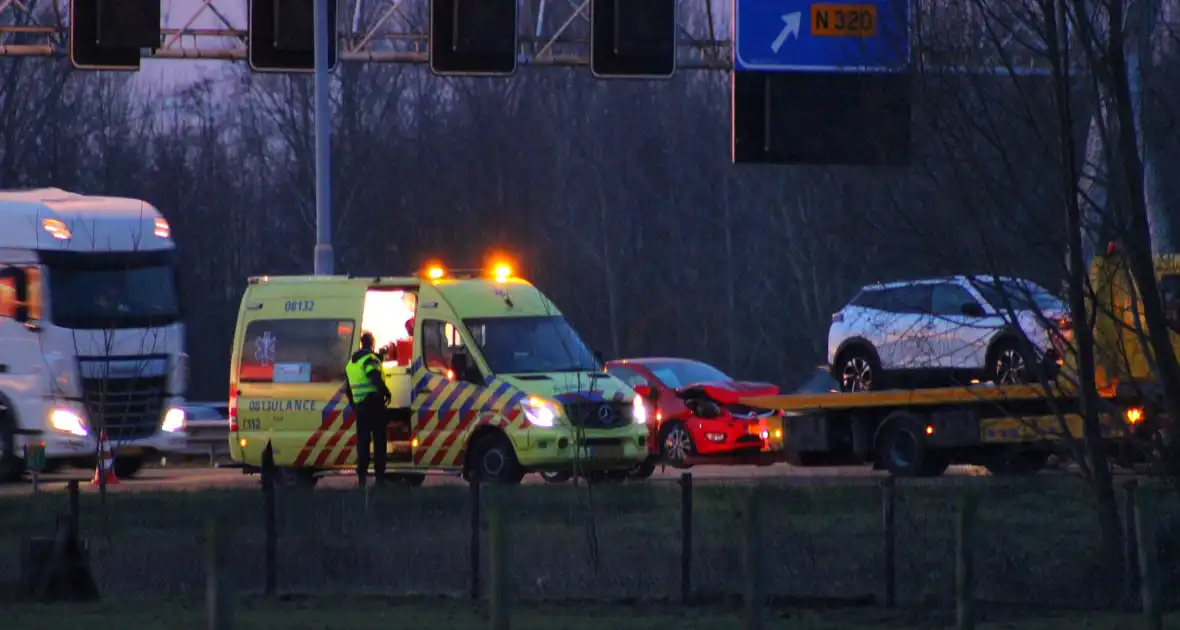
<point>591,415</point>
<point>128,408</point>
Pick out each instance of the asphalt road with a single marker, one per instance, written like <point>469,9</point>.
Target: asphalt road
<point>189,478</point>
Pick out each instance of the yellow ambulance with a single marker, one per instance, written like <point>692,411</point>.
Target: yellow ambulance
<point>488,379</point>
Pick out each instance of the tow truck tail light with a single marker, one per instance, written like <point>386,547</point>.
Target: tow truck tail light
<point>233,407</point>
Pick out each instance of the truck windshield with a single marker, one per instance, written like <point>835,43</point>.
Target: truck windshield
<point>111,289</point>
<point>529,345</point>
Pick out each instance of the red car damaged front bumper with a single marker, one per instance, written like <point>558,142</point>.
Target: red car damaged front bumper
<point>730,441</point>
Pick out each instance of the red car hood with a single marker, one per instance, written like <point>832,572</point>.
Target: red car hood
<point>729,392</point>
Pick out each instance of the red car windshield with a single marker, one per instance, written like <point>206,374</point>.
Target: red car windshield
<point>680,373</point>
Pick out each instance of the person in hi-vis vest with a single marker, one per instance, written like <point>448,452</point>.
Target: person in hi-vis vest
<point>369,398</point>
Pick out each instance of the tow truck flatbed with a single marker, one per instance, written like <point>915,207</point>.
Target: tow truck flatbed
<point>920,432</point>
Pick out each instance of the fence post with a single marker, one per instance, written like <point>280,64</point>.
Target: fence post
<point>217,604</point>
<point>1130,554</point>
<point>752,547</point>
<point>965,563</point>
<point>476,525</point>
<point>889,526</point>
<point>1149,578</point>
<point>498,612</point>
<point>270,530</point>
<point>75,509</point>
<point>685,538</point>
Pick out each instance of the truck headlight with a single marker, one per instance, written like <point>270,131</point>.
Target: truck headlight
<point>539,413</point>
<point>67,421</point>
<point>638,410</point>
<point>174,420</point>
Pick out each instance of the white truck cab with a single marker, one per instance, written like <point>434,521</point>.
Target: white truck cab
<point>91,331</point>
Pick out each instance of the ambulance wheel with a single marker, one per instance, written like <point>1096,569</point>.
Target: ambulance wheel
<point>644,470</point>
<point>11,466</point>
<point>128,467</point>
<point>296,478</point>
<point>410,480</point>
<point>493,460</point>
<point>554,476</point>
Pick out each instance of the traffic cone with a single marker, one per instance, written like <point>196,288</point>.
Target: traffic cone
<point>105,467</point>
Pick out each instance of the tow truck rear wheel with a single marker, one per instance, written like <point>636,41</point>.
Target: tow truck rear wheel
<point>492,459</point>
<point>901,449</point>
<point>11,466</point>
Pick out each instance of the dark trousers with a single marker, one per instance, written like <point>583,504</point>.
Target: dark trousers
<point>371,423</point>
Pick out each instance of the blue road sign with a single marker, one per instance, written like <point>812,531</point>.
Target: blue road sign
<point>818,36</point>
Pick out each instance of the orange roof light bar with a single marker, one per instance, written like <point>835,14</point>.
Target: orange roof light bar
<point>434,271</point>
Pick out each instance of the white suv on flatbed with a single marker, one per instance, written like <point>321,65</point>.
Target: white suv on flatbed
<point>941,331</point>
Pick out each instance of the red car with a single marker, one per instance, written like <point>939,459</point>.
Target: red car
<point>697,416</point>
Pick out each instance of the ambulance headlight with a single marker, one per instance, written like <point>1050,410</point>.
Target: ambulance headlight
<point>67,421</point>
<point>638,410</point>
<point>540,413</point>
<point>174,420</point>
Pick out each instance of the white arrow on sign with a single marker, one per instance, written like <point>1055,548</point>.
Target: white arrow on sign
<point>790,28</point>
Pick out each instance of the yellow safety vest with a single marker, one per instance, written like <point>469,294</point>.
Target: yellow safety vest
<point>358,376</point>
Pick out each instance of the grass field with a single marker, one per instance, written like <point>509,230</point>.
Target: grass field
<point>1036,543</point>
<point>353,613</point>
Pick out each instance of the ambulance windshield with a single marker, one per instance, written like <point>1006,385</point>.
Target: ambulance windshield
<point>531,345</point>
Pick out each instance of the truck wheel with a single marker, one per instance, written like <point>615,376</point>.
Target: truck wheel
<point>494,460</point>
<point>1011,463</point>
<point>901,450</point>
<point>676,444</point>
<point>128,467</point>
<point>552,476</point>
<point>11,466</point>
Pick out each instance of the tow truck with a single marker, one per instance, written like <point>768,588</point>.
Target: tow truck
<point>1009,429</point>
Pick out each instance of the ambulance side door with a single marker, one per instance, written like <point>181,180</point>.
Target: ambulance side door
<point>445,407</point>
<point>291,377</point>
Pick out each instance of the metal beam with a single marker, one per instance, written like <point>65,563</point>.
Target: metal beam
<point>959,36</point>
<point>553,32</point>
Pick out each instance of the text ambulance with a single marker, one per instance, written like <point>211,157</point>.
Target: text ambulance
<point>488,378</point>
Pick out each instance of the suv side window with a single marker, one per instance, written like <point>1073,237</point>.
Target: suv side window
<point>910,299</point>
<point>629,377</point>
<point>872,298</point>
<point>948,299</point>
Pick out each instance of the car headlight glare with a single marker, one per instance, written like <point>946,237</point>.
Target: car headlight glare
<point>68,421</point>
<point>539,413</point>
<point>174,420</point>
<point>638,410</point>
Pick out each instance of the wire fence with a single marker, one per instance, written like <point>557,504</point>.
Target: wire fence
<point>1035,541</point>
